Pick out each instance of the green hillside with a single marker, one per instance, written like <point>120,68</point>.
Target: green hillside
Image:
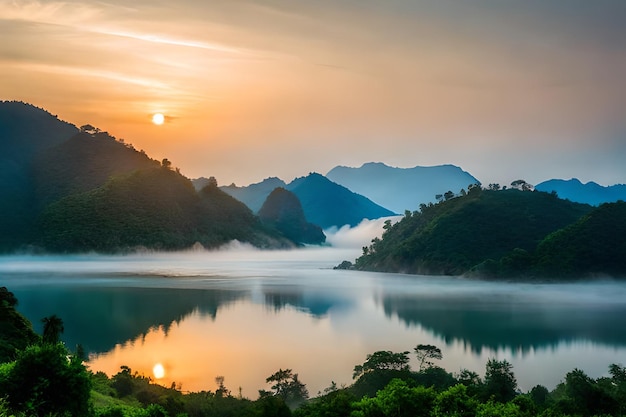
<point>83,162</point>
<point>155,208</point>
<point>594,245</point>
<point>459,233</point>
<point>283,211</point>
<point>25,132</point>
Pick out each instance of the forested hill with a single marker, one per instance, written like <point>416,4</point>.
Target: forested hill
<point>69,189</point>
<point>25,132</point>
<point>282,210</point>
<point>83,162</point>
<point>504,233</point>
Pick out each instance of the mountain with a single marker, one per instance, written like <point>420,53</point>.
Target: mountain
<point>73,190</point>
<point>283,211</point>
<point>156,208</point>
<point>589,193</point>
<point>26,132</point>
<point>253,195</point>
<point>460,234</point>
<point>324,202</point>
<point>83,162</point>
<point>327,204</point>
<point>401,189</point>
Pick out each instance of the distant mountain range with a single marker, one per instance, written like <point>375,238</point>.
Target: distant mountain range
<point>589,193</point>
<point>324,202</point>
<point>400,189</point>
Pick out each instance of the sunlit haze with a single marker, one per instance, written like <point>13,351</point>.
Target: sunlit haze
<point>252,89</point>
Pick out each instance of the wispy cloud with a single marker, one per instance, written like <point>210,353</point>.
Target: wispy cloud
<point>53,12</point>
<point>155,38</point>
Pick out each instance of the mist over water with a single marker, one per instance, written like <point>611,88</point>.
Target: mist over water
<point>244,313</point>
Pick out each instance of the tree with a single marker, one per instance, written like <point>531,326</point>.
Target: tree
<point>52,329</point>
<point>586,396</point>
<point>471,380</point>
<point>7,298</point>
<point>540,395</point>
<point>382,360</point>
<point>618,380</point>
<point>47,380</point>
<point>287,386</point>
<point>221,390</point>
<point>454,402</point>
<point>212,182</point>
<point>522,185</point>
<point>491,409</point>
<point>500,383</point>
<point>397,399</point>
<point>89,129</point>
<point>426,352</point>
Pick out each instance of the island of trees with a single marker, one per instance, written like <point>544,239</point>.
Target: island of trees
<point>40,376</point>
<point>503,233</point>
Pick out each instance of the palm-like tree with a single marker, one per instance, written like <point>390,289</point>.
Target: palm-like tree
<point>52,329</point>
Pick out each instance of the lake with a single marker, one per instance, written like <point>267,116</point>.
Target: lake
<point>243,314</point>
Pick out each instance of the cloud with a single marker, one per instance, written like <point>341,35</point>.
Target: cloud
<point>358,236</point>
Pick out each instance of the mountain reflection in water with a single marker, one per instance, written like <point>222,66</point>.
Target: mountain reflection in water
<point>246,315</point>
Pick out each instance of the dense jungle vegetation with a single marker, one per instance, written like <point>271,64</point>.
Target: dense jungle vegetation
<point>494,233</point>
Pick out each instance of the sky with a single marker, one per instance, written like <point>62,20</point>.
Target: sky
<point>505,89</point>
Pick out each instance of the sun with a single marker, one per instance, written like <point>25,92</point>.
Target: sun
<point>158,371</point>
<point>158,118</point>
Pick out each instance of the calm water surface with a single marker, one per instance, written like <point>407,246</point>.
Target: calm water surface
<point>244,314</point>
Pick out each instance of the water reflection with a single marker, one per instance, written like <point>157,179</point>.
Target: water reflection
<point>101,317</point>
<point>514,324</point>
<point>245,315</point>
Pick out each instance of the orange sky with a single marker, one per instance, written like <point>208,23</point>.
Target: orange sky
<point>252,89</point>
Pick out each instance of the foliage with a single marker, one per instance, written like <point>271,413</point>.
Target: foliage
<point>15,330</point>
<point>500,383</point>
<point>46,379</point>
<point>455,402</point>
<point>382,360</point>
<point>426,352</point>
<point>397,399</point>
<point>378,370</point>
<point>156,208</point>
<point>594,244</point>
<point>435,377</point>
<point>337,403</point>
<point>287,386</point>
<point>503,233</point>
<point>52,329</point>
